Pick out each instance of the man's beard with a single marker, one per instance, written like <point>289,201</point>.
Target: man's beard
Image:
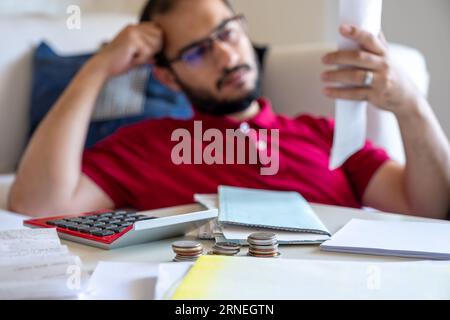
<point>204,102</point>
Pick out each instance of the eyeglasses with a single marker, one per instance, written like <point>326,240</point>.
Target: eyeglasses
<point>229,31</point>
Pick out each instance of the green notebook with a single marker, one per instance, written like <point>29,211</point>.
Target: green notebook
<point>280,210</point>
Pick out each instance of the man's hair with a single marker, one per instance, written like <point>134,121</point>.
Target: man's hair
<point>155,7</point>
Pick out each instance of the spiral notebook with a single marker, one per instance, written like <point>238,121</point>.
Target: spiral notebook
<point>279,210</point>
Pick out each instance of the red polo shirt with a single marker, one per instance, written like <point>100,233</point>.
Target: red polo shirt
<point>134,166</point>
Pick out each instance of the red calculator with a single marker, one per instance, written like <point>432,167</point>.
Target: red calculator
<point>120,228</point>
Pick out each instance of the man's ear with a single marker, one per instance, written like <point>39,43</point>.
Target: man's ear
<point>166,77</point>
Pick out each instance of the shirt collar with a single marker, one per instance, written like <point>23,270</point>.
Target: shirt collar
<point>265,119</point>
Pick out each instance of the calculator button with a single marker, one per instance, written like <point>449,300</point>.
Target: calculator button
<point>110,226</point>
<point>118,230</point>
<point>92,230</point>
<point>132,219</point>
<point>84,228</point>
<point>76,220</point>
<point>108,214</point>
<point>114,221</point>
<point>99,224</point>
<point>88,222</point>
<point>103,233</point>
<point>56,223</point>
<point>73,227</point>
<point>126,224</point>
<point>142,218</point>
<point>103,219</point>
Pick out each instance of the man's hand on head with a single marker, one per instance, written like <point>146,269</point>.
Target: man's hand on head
<point>134,46</point>
<point>390,89</point>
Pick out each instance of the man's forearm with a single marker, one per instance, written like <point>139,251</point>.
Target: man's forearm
<point>51,166</point>
<point>427,177</point>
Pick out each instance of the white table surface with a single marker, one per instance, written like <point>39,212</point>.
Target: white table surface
<point>160,251</point>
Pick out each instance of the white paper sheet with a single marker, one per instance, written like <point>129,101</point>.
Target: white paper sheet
<point>242,278</point>
<point>421,240</point>
<point>11,221</point>
<point>351,116</point>
<point>34,265</point>
<point>123,281</point>
<point>169,276</point>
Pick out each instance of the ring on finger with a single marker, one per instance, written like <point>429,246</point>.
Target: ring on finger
<point>368,79</point>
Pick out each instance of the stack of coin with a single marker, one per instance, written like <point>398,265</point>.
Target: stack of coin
<point>226,249</point>
<point>187,250</point>
<point>263,245</point>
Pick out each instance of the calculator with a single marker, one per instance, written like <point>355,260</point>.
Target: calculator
<point>120,228</point>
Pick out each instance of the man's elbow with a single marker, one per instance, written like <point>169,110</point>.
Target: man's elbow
<point>20,201</point>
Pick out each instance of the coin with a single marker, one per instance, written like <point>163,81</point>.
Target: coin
<point>226,248</point>
<point>263,245</point>
<point>262,236</point>
<point>187,250</point>
<point>186,244</point>
<point>228,245</point>
<point>274,255</point>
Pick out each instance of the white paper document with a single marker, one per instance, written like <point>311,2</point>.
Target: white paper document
<point>11,221</point>
<point>134,281</point>
<point>169,277</point>
<point>242,278</point>
<point>123,281</point>
<point>34,265</point>
<point>419,240</point>
<point>351,116</point>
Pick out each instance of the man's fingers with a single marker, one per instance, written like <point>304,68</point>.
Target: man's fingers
<point>359,59</point>
<point>364,38</point>
<point>154,43</point>
<point>347,76</point>
<point>357,94</point>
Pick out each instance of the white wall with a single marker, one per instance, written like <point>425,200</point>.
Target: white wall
<point>59,6</point>
<point>284,21</point>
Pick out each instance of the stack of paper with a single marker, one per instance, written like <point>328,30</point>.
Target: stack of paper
<point>236,278</point>
<point>420,240</point>
<point>245,211</point>
<point>34,265</point>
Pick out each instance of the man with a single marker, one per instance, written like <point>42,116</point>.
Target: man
<point>201,47</point>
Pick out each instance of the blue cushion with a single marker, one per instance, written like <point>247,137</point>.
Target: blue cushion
<point>52,74</point>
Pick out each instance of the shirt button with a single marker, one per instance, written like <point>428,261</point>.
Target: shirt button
<point>244,128</point>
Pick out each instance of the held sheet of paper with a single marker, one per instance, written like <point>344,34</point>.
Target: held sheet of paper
<point>34,265</point>
<point>351,116</point>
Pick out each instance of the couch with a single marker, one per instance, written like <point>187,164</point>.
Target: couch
<point>291,78</point>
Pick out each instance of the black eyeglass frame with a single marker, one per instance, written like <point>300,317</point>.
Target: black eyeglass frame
<point>162,60</point>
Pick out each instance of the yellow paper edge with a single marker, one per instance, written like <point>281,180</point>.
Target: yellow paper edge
<point>197,284</point>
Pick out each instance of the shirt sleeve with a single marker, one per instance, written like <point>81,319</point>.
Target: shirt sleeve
<point>362,166</point>
<point>105,165</point>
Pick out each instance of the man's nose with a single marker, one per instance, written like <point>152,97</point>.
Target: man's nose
<point>225,55</point>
